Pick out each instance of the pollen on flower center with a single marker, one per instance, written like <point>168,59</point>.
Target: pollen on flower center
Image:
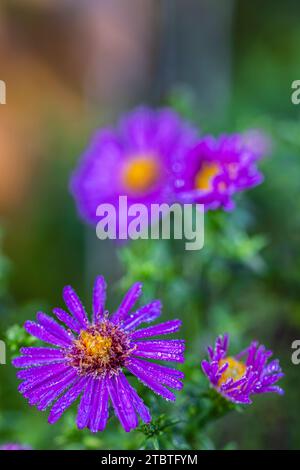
<point>235,370</point>
<point>141,173</point>
<point>96,345</point>
<point>205,176</point>
<point>100,349</point>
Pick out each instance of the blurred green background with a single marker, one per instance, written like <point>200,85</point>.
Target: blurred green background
<point>227,66</point>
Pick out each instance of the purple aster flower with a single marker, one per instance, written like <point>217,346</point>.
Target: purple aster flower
<point>88,359</point>
<point>217,168</point>
<point>249,373</point>
<point>137,160</point>
<point>14,446</point>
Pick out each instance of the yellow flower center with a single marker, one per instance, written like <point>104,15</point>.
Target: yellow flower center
<point>141,173</point>
<point>95,345</point>
<point>205,176</point>
<point>235,370</point>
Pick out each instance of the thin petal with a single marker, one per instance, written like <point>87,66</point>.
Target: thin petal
<point>162,374</point>
<point>69,321</point>
<point>162,329</point>
<point>47,396</point>
<point>75,306</point>
<point>29,361</point>
<point>164,350</point>
<point>41,333</point>
<point>84,408</point>
<point>66,400</point>
<point>54,328</point>
<point>40,352</point>
<point>122,403</point>
<point>99,299</point>
<point>99,408</point>
<point>128,302</point>
<point>145,314</point>
<point>138,403</point>
<point>134,367</point>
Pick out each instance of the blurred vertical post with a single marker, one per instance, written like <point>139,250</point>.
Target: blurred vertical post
<point>139,50</point>
<point>196,51</point>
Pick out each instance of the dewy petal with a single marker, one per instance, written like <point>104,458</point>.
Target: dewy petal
<point>40,385</point>
<point>99,299</point>
<point>29,361</point>
<point>128,302</point>
<point>166,328</point>
<point>138,403</point>
<point>39,352</point>
<point>75,306</point>
<point>41,333</point>
<point>165,350</point>
<point>162,374</point>
<point>134,367</point>
<point>84,408</point>
<point>66,400</point>
<point>40,371</point>
<point>145,314</point>
<point>69,321</point>
<point>54,328</point>
<point>61,385</point>
<point>122,403</point>
<point>99,406</point>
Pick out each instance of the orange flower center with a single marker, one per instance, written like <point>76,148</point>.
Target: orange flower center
<point>235,370</point>
<point>95,346</point>
<point>141,173</point>
<point>205,176</point>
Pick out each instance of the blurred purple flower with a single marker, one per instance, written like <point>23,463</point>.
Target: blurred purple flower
<point>238,379</point>
<point>89,358</point>
<point>137,160</point>
<point>14,446</point>
<point>217,168</point>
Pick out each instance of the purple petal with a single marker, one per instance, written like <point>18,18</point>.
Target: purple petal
<point>128,302</point>
<point>134,367</point>
<point>40,384</point>
<point>40,352</point>
<point>41,333</point>
<point>66,400</point>
<point>99,298</point>
<point>99,406</point>
<point>162,329</point>
<point>75,306</point>
<point>136,400</point>
<point>46,397</point>
<point>69,321</point>
<point>122,403</point>
<point>145,314</point>
<point>41,371</point>
<point>84,408</point>
<point>163,375</point>
<point>54,328</point>
<point>30,361</point>
<point>165,350</point>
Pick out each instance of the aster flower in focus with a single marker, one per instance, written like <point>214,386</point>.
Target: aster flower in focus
<point>137,160</point>
<point>89,357</point>
<point>217,168</point>
<point>14,446</point>
<point>239,378</point>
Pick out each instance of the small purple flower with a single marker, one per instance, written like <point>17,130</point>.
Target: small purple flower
<point>137,160</point>
<point>217,168</point>
<point>89,358</point>
<point>14,446</point>
<point>249,373</point>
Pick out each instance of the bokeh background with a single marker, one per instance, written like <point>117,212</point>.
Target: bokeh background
<point>72,66</point>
